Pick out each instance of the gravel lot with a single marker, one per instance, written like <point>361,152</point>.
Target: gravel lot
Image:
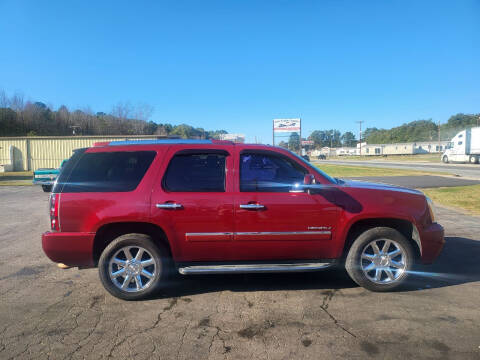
<point>47,312</point>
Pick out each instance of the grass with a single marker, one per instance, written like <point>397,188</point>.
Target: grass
<point>412,158</point>
<point>16,174</point>
<point>353,171</point>
<point>462,197</point>
<point>16,182</point>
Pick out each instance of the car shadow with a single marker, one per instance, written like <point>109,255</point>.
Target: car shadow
<point>198,284</point>
<point>457,264</point>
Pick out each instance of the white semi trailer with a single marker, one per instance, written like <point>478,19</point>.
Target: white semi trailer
<point>464,147</point>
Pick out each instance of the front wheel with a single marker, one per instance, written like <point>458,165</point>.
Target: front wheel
<point>133,267</point>
<point>445,159</point>
<point>473,159</point>
<point>380,259</point>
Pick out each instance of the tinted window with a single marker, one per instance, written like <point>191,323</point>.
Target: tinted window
<point>196,172</point>
<point>108,171</point>
<point>268,173</point>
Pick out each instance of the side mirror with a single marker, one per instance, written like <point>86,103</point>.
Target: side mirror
<point>309,179</point>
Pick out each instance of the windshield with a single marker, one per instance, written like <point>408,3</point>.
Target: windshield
<point>316,169</point>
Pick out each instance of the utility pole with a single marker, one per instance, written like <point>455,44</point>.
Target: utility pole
<point>439,137</point>
<point>360,123</point>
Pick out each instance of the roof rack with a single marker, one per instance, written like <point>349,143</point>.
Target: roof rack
<point>159,142</point>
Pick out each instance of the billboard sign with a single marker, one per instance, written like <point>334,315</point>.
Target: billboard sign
<point>286,125</point>
<point>307,142</point>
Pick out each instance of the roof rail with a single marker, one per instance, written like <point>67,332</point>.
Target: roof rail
<point>159,142</point>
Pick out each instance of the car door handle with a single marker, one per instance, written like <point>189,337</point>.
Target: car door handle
<point>169,206</point>
<point>252,206</point>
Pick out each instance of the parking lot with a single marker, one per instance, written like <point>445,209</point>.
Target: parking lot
<point>47,312</point>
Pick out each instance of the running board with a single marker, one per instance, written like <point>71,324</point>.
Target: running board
<point>252,268</point>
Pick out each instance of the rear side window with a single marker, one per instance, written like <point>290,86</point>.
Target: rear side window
<point>109,171</point>
<point>196,173</point>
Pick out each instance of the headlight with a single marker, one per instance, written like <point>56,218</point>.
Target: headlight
<point>431,209</point>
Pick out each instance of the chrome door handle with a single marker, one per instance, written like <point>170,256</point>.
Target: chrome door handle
<point>252,206</point>
<point>169,206</point>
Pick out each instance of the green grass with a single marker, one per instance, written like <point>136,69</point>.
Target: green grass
<point>462,197</point>
<point>353,171</point>
<point>15,182</point>
<point>413,158</point>
<point>17,173</point>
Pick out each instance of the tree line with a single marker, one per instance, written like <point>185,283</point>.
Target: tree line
<point>19,117</point>
<point>422,130</point>
<point>414,131</point>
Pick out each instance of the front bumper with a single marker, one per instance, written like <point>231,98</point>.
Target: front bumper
<point>73,249</point>
<point>432,238</point>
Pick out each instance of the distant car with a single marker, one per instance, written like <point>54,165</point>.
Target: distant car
<point>306,157</point>
<point>141,210</point>
<point>47,176</point>
<point>322,157</point>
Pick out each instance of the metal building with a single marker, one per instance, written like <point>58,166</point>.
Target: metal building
<point>34,152</point>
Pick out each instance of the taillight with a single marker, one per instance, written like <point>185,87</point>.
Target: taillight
<point>54,202</point>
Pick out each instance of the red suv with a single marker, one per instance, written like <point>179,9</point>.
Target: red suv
<point>141,209</point>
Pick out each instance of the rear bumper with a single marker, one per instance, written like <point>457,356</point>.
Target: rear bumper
<point>432,238</point>
<point>73,249</point>
<point>43,182</point>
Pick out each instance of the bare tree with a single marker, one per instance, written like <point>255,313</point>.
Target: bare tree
<point>17,102</point>
<point>143,111</point>
<point>4,100</point>
<point>122,110</point>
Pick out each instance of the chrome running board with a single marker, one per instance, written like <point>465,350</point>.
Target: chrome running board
<point>251,268</point>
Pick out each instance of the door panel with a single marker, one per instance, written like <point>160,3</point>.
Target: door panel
<point>201,224</point>
<point>273,223</point>
<point>291,226</point>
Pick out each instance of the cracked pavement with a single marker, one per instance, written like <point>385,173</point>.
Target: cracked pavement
<point>47,312</point>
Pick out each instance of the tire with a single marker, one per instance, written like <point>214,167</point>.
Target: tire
<point>47,188</point>
<point>445,159</point>
<point>361,253</point>
<point>473,159</point>
<point>135,289</point>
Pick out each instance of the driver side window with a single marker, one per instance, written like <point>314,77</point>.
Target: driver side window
<point>268,173</point>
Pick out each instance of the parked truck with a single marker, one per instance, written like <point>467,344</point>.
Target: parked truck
<point>464,147</point>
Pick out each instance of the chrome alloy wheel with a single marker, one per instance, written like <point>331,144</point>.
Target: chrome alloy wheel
<point>132,269</point>
<point>383,261</point>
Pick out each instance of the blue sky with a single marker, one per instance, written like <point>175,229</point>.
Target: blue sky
<point>236,65</point>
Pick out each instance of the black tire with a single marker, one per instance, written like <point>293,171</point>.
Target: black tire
<point>158,252</point>
<point>473,159</point>
<point>445,159</point>
<point>47,188</point>
<point>354,262</point>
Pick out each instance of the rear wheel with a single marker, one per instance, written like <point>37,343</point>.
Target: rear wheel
<point>47,188</point>
<point>133,267</point>
<point>380,259</point>
<point>445,159</point>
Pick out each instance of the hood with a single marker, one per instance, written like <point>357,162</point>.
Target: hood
<point>376,186</point>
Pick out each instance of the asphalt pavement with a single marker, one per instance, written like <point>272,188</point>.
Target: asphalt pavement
<point>418,182</point>
<point>49,313</point>
<point>463,170</point>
